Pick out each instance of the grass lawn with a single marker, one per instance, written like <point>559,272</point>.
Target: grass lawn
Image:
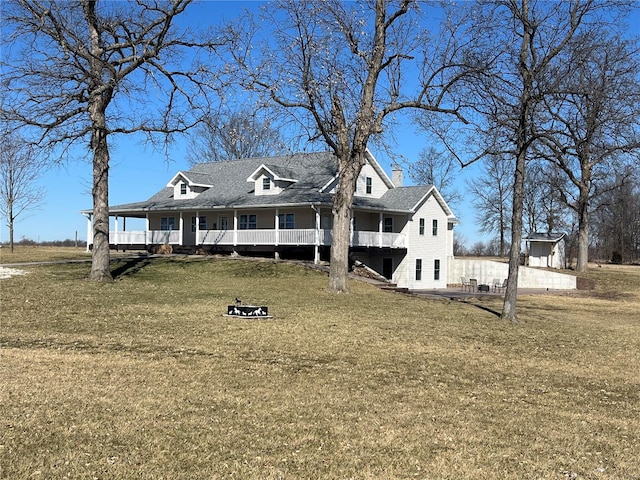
<point>144,378</point>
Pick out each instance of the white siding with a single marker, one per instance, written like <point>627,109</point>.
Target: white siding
<point>192,191</point>
<point>547,254</point>
<point>275,187</point>
<point>427,247</point>
<point>378,187</point>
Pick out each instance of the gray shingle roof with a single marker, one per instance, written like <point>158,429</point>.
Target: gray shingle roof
<point>229,186</point>
<point>197,178</point>
<point>545,237</point>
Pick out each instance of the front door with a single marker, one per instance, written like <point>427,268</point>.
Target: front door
<point>387,268</point>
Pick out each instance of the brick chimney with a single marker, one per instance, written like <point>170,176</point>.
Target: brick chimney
<point>396,175</point>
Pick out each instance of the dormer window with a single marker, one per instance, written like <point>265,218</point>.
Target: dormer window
<point>187,185</point>
<point>271,180</point>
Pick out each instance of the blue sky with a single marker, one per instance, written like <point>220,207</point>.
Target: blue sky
<point>138,171</point>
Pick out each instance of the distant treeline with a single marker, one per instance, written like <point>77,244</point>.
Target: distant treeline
<point>51,243</point>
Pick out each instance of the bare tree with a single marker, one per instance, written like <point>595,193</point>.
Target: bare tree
<point>478,249</point>
<point>459,247</point>
<point>342,70</point>
<point>234,135</point>
<point>437,168</point>
<point>616,221</point>
<point>523,38</point>
<point>20,168</point>
<point>82,71</point>
<point>491,195</point>
<point>592,121</point>
<point>544,208</point>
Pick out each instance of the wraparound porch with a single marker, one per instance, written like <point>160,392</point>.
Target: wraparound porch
<point>295,237</point>
<point>262,228</point>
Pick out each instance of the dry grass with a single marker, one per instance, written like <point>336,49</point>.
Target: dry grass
<point>144,378</point>
<point>37,253</point>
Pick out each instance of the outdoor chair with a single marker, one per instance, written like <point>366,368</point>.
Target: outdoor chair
<point>496,284</point>
<point>464,283</point>
<point>473,285</point>
<point>501,286</point>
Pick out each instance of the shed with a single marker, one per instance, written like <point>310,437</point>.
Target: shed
<point>547,250</point>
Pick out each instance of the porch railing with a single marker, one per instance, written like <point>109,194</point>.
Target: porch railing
<point>142,237</point>
<point>258,237</point>
<point>377,239</point>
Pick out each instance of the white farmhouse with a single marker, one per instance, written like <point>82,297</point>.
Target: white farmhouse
<point>282,206</point>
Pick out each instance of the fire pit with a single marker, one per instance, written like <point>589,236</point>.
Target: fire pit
<point>247,311</point>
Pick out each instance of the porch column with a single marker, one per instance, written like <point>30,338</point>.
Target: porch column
<point>181,229</point>
<point>89,231</point>
<point>235,228</point>
<point>115,232</point>
<point>277,226</point>
<point>380,228</point>
<point>351,231</point>
<point>197,228</point>
<point>316,253</point>
<point>146,229</point>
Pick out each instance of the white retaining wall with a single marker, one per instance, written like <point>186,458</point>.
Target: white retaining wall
<point>486,270</point>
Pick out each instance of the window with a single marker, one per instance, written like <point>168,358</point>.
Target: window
<point>388,224</point>
<point>369,185</point>
<point>202,223</point>
<point>436,269</point>
<point>168,223</point>
<point>266,183</point>
<point>422,226</point>
<point>183,189</point>
<point>418,269</point>
<point>248,222</point>
<point>224,222</point>
<point>287,221</point>
<point>434,227</point>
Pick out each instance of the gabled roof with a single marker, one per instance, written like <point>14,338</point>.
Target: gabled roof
<point>285,174</point>
<point>193,179</point>
<point>411,198</point>
<point>545,237</point>
<point>326,187</point>
<point>229,187</point>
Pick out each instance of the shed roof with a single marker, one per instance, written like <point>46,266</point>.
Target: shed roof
<point>545,237</point>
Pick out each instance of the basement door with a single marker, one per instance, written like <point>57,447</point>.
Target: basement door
<point>387,268</point>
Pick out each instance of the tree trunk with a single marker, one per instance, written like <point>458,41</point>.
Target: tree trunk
<point>583,230</point>
<point>502,228</point>
<point>511,292</point>
<point>99,98</point>
<point>101,255</point>
<point>11,223</point>
<point>11,229</point>
<point>342,202</point>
